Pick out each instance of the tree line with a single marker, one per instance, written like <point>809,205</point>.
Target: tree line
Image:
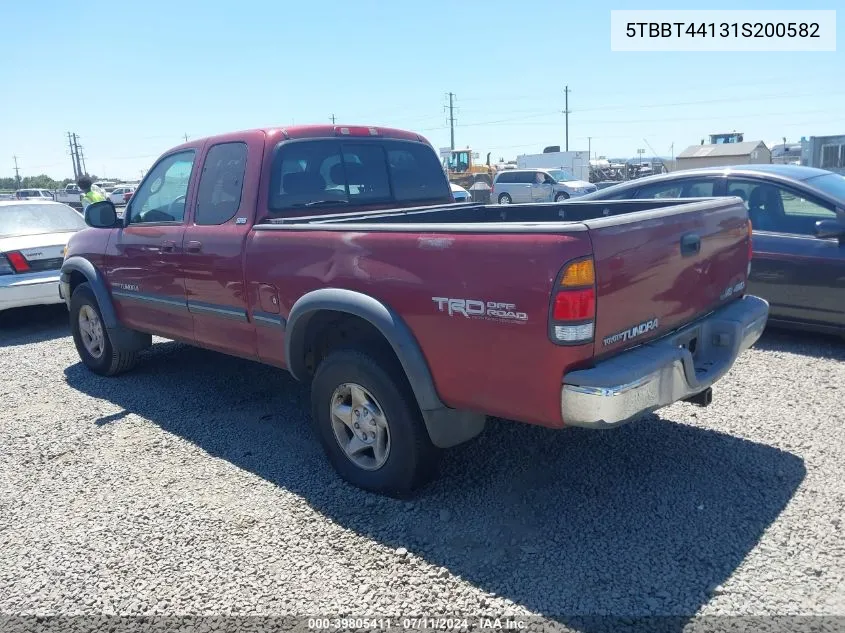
<point>37,182</point>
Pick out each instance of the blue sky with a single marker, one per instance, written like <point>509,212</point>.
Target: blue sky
<point>153,71</point>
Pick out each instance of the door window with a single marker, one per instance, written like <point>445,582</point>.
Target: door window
<point>779,209</point>
<point>161,197</point>
<point>221,183</point>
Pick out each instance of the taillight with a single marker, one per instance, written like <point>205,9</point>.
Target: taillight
<point>18,262</point>
<point>573,313</point>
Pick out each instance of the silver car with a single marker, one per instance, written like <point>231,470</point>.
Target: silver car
<point>537,185</point>
<point>33,237</point>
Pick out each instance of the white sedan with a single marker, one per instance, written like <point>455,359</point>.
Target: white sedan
<point>459,193</point>
<point>118,195</point>
<point>33,237</point>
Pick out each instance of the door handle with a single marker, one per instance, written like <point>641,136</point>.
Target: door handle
<point>168,246</point>
<point>193,246</point>
<point>690,244</point>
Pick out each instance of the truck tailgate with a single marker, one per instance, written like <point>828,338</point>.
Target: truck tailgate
<point>658,270</point>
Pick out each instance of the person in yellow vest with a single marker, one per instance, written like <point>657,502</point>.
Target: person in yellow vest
<point>89,195</point>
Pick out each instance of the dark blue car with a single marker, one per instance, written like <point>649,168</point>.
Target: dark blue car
<point>798,217</point>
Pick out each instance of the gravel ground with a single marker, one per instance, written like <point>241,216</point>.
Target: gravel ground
<point>193,485</point>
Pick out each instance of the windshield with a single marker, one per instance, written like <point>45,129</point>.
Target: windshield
<point>561,175</point>
<point>831,184</point>
<point>34,219</point>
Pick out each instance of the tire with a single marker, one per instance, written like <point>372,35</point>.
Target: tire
<point>504,199</point>
<point>411,459</point>
<point>110,361</point>
<point>560,197</point>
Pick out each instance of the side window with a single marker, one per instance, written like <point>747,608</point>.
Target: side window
<point>779,209</point>
<point>221,183</point>
<point>660,190</point>
<point>698,189</point>
<point>415,172</point>
<point>524,177</point>
<point>161,197</point>
<point>505,178</point>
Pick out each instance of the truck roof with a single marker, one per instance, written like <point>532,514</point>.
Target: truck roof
<point>313,131</point>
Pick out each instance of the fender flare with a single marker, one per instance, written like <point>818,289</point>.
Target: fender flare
<point>126,339</point>
<point>97,283</point>
<point>382,317</point>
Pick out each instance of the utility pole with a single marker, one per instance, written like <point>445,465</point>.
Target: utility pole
<point>566,112</point>
<point>452,118</point>
<point>76,173</point>
<point>79,169</point>
<point>589,148</point>
<point>332,119</point>
<point>186,137</point>
<point>17,172</point>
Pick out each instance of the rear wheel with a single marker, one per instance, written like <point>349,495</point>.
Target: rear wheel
<point>504,199</point>
<point>561,197</point>
<point>91,338</point>
<point>369,424</point>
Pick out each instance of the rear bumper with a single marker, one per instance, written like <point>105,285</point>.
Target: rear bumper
<point>29,289</point>
<point>663,371</point>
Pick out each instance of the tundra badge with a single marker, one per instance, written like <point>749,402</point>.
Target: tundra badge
<point>632,332</point>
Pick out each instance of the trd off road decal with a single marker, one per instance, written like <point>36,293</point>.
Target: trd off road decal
<point>633,332</point>
<point>477,309</point>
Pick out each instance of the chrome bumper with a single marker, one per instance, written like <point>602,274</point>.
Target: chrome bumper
<point>658,373</point>
<point>28,289</point>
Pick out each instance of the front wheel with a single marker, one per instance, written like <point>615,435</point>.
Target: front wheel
<point>561,197</point>
<point>91,337</point>
<point>504,199</point>
<point>369,423</point>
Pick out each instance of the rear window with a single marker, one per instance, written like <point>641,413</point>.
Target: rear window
<point>33,219</point>
<point>324,173</point>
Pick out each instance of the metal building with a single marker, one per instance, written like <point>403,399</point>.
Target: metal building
<point>723,154</point>
<point>826,152</point>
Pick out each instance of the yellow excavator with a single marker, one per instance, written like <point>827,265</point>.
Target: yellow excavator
<point>464,172</point>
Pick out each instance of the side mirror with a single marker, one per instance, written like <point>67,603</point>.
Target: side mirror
<point>101,215</point>
<point>829,228</point>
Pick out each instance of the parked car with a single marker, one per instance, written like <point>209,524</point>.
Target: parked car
<point>302,248</point>
<point>120,195</point>
<point>34,194</point>
<point>798,216</point>
<point>33,235</point>
<point>459,193</point>
<point>537,185</point>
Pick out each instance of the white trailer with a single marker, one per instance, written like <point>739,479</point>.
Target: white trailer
<point>577,163</point>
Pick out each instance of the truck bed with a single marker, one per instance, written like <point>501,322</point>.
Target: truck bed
<point>551,216</point>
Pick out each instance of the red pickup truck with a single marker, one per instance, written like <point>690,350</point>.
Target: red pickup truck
<point>338,254</point>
